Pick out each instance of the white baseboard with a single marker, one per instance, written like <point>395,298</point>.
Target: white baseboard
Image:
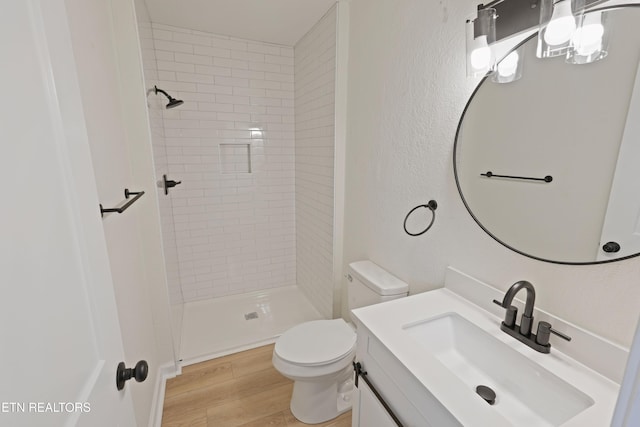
<point>165,372</point>
<point>251,346</point>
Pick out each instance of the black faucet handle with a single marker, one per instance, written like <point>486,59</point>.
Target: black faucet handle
<point>560,334</point>
<point>495,301</point>
<point>544,332</point>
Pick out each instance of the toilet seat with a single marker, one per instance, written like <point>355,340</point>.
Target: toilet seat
<point>316,343</point>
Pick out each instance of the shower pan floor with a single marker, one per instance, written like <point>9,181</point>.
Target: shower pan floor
<point>220,326</point>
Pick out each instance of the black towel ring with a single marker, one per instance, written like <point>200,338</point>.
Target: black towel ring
<point>432,205</point>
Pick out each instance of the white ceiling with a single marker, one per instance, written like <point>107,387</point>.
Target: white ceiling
<point>273,21</point>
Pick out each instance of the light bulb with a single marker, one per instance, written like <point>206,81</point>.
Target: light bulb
<point>509,65</point>
<point>562,24</point>
<point>481,56</point>
<point>588,38</point>
<point>481,33</point>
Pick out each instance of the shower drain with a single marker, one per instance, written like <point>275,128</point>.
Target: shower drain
<point>251,316</point>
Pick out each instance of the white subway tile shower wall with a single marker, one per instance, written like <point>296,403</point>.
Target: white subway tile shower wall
<point>235,158</point>
<point>235,229</point>
<point>315,67</point>
<point>156,105</point>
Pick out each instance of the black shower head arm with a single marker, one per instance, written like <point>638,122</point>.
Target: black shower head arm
<point>171,98</point>
<point>172,101</point>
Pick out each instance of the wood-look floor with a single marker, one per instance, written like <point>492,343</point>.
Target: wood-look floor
<point>241,389</point>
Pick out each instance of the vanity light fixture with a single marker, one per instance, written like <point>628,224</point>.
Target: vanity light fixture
<point>481,34</point>
<point>564,29</point>
<point>557,26</point>
<point>510,68</point>
<point>590,40</point>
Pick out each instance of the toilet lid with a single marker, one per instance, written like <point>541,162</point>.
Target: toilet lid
<point>318,342</point>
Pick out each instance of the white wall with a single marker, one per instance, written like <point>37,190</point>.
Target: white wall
<point>235,230</point>
<point>407,89</point>
<point>315,69</point>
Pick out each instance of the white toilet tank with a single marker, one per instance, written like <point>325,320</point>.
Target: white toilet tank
<point>369,284</point>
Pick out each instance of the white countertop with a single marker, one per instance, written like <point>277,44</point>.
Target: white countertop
<point>385,321</point>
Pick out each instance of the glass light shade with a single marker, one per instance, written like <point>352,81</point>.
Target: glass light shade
<point>558,22</point>
<point>481,34</point>
<point>590,40</point>
<point>509,69</point>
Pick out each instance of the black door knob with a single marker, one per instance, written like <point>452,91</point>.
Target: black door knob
<point>611,247</point>
<point>124,374</point>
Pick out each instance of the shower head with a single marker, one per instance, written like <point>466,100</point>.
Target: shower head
<point>172,101</point>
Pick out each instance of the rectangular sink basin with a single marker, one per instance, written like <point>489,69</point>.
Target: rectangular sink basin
<point>526,394</point>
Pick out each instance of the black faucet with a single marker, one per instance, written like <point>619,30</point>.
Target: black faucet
<point>522,332</point>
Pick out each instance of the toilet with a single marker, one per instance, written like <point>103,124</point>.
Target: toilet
<point>318,355</point>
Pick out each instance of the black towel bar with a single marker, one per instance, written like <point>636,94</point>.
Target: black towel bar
<point>490,174</point>
<point>432,205</point>
<point>360,373</point>
<point>124,207</point>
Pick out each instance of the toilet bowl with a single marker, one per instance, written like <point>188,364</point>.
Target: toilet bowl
<point>318,357</point>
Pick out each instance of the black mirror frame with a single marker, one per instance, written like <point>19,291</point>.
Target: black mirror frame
<point>455,167</point>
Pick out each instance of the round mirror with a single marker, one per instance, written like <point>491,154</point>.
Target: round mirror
<point>548,164</point>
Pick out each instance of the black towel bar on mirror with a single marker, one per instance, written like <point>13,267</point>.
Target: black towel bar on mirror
<point>124,207</point>
<point>490,174</point>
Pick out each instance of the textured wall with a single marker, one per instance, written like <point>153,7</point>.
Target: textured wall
<point>407,89</point>
<point>315,69</point>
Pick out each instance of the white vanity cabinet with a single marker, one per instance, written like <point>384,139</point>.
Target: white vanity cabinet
<point>409,400</point>
<point>426,354</point>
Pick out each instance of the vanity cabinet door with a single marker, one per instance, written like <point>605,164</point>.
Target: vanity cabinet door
<point>368,411</point>
<point>407,397</point>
